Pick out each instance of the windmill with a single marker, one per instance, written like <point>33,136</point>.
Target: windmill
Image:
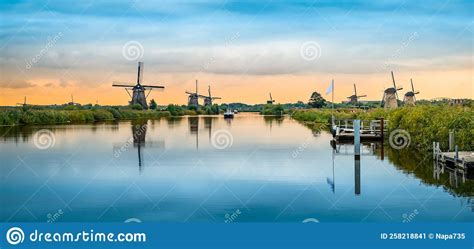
<point>271,100</point>
<point>193,98</point>
<point>409,98</point>
<point>390,95</point>
<point>138,96</point>
<point>208,99</point>
<point>22,104</point>
<point>353,99</point>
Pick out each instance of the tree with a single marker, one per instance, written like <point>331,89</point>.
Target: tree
<point>316,100</point>
<point>153,104</point>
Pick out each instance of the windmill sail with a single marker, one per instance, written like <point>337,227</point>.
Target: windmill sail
<point>138,96</point>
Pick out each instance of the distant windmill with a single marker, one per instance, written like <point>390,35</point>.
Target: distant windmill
<point>271,100</point>
<point>409,98</point>
<point>139,89</point>
<point>22,104</point>
<point>193,98</point>
<point>208,99</point>
<point>354,99</point>
<point>390,95</point>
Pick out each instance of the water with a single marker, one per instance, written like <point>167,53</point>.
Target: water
<point>209,169</point>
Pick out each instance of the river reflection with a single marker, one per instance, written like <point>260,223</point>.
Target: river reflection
<point>179,169</point>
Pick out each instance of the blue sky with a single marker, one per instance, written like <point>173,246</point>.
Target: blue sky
<point>225,37</point>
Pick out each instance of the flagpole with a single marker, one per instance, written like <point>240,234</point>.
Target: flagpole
<point>332,101</point>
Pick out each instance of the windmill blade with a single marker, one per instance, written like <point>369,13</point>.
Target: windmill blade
<point>149,86</point>
<point>355,90</point>
<point>209,90</point>
<point>140,73</point>
<point>417,92</point>
<point>271,99</point>
<point>202,96</point>
<point>122,84</point>
<point>361,96</point>
<point>412,88</point>
<point>189,93</point>
<point>393,80</point>
<point>216,98</point>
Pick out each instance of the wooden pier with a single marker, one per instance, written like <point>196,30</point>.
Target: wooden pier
<point>461,159</point>
<point>370,130</point>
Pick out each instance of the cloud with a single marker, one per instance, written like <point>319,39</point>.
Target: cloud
<point>16,85</point>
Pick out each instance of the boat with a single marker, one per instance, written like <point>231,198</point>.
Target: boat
<point>235,111</point>
<point>229,114</point>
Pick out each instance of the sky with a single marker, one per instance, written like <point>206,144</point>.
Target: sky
<point>50,50</point>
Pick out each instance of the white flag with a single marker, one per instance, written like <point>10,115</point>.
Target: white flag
<point>330,88</point>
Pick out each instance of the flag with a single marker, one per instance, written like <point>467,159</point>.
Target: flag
<point>330,88</point>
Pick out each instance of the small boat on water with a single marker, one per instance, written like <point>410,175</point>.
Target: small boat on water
<point>235,111</point>
<point>229,114</point>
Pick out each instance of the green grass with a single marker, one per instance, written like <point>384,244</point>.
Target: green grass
<point>16,116</point>
<point>425,123</point>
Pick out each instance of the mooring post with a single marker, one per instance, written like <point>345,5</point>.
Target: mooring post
<point>381,128</point>
<point>451,140</point>
<point>357,139</point>
<point>357,177</point>
<point>456,155</point>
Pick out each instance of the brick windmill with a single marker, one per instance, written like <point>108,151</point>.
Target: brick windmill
<point>354,99</point>
<point>390,96</point>
<point>409,98</point>
<point>139,89</point>
<point>208,99</point>
<point>193,98</point>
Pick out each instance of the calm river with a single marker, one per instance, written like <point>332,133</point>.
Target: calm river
<point>251,168</point>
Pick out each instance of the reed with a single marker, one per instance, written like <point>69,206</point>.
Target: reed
<point>425,123</point>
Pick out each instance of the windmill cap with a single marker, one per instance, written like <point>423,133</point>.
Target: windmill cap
<point>390,90</point>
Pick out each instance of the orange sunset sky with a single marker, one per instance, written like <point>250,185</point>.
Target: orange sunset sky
<point>51,50</point>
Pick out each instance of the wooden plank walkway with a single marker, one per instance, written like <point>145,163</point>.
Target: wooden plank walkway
<point>462,159</point>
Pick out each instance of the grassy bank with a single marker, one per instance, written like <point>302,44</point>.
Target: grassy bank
<point>425,124</point>
<point>16,116</point>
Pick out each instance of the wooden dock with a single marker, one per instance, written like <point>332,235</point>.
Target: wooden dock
<point>370,130</point>
<point>461,159</point>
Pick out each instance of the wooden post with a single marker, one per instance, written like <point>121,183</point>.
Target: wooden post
<point>357,139</point>
<point>456,155</point>
<point>451,140</point>
<point>381,128</point>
